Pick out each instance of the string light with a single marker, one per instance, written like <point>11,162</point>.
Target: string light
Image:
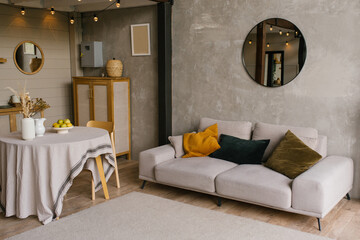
<point>96,18</point>
<point>117,3</point>
<point>52,11</point>
<point>268,45</point>
<point>250,42</point>
<point>22,11</point>
<point>79,0</point>
<point>271,28</point>
<point>287,34</point>
<point>72,20</point>
<point>280,32</point>
<point>287,43</point>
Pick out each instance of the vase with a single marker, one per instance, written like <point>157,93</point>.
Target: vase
<point>27,129</point>
<point>114,68</point>
<point>39,127</point>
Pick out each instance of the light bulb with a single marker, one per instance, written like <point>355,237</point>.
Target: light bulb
<point>287,43</point>
<point>22,11</point>
<point>280,32</point>
<point>118,3</point>
<point>52,11</point>
<point>250,42</point>
<point>72,20</point>
<point>271,28</point>
<point>79,0</point>
<point>296,33</point>
<point>287,34</point>
<point>96,18</point>
<point>268,45</point>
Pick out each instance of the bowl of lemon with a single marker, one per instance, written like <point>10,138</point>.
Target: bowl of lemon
<point>62,126</point>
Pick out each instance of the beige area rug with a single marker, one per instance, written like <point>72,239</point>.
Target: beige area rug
<point>142,216</point>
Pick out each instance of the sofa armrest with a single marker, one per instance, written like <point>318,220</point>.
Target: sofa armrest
<point>152,157</point>
<point>321,187</point>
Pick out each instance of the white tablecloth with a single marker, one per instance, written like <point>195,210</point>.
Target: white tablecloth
<point>35,175</point>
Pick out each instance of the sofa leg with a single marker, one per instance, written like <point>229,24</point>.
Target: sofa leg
<point>219,201</point>
<point>348,196</point>
<point>143,184</point>
<point>319,224</point>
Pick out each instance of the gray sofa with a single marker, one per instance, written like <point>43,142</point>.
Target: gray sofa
<point>313,193</point>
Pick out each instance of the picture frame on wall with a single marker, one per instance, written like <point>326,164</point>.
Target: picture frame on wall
<point>140,39</point>
<point>29,48</point>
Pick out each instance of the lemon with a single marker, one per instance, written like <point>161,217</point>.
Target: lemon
<point>63,125</point>
<point>69,125</point>
<point>56,125</point>
<point>60,121</point>
<point>67,121</point>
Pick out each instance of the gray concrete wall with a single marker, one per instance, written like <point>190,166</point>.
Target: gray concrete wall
<point>53,81</point>
<point>210,80</point>
<point>113,29</point>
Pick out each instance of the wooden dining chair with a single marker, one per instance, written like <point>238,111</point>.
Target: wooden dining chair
<point>110,127</point>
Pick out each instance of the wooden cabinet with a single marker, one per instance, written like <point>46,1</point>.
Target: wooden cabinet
<point>105,99</point>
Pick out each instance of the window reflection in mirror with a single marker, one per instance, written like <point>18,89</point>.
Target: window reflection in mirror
<point>274,52</point>
<point>28,57</point>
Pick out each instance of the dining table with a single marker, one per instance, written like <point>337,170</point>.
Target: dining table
<point>35,175</point>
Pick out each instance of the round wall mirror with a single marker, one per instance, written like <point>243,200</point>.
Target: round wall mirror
<point>28,57</point>
<point>274,52</point>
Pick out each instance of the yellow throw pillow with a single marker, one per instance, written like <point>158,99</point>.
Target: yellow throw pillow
<point>201,144</point>
<point>292,157</point>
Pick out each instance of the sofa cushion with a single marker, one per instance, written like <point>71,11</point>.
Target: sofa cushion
<point>201,144</point>
<point>197,173</point>
<point>276,132</point>
<point>177,143</point>
<point>240,151</point>
<point>239,129</point>
<point>256,184</point>
<point>292,157</point>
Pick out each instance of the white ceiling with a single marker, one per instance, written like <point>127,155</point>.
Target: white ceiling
<point>78,6</point>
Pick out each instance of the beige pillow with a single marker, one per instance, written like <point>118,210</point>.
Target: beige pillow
<point>177,143</point>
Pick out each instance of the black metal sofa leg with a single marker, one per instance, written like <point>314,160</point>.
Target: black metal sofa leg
<point>219,201</point>
<point>348,196</point>
<point>143,184</point>
<point>319,224</point>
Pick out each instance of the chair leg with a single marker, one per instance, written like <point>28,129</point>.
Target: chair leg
<point>92,189</point>
<point>348,196</point>
<point>117,174</point>
<point>319,224</point>
<point>219,201</point>
<point>102,176</point>
<point>143,184</point>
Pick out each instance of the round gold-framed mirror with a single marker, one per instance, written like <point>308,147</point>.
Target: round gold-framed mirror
<point>28,57</point>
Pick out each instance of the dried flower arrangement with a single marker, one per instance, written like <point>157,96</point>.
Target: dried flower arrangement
<point>29,106</point>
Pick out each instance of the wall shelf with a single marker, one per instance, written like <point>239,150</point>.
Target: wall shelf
<point>3,60</point>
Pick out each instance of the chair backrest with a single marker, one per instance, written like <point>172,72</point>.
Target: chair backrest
<point>108,126</point>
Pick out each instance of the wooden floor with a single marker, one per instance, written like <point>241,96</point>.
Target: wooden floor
<point>343,222</point>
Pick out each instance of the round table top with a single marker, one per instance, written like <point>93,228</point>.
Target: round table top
<point>75,135</point>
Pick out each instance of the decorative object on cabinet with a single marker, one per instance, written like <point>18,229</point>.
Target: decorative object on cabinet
<point>108,100</point>
<point>3,60</point>
<point>28,57</point>
<point>114,68</point>
<point>140,39</point>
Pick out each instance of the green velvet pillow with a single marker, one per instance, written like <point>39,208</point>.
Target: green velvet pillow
<point>240,151</point>
<point>292,157</point>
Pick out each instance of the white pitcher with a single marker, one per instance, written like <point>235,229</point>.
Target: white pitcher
<point>39,127</point>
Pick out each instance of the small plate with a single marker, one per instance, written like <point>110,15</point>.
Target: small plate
<point>63,130</point>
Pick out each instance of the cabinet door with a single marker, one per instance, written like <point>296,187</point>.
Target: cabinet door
<point>83,102</point>
<point>122,117</point>
<point>100,103</point>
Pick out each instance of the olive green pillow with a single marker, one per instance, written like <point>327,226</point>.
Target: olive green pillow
<point>292,157</point>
